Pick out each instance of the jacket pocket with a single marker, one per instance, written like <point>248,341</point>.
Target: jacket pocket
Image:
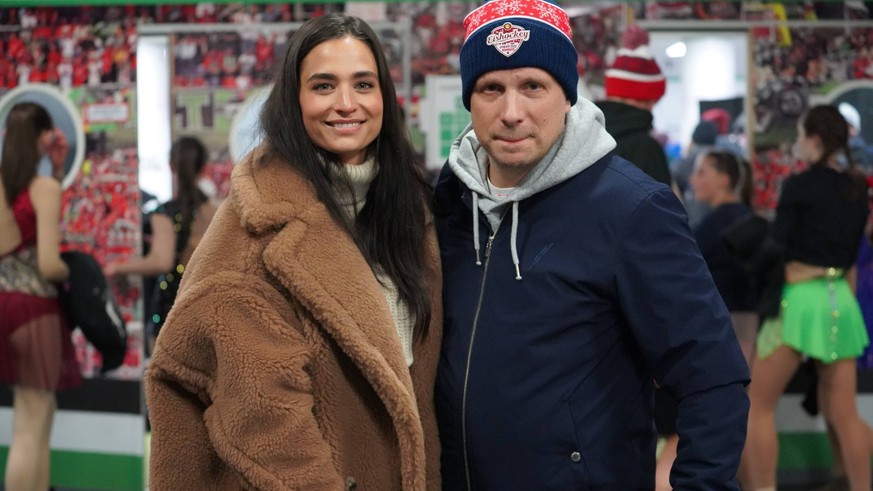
<point>574,464</point>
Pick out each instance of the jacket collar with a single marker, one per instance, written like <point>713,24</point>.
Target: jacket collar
<point>262,199</point>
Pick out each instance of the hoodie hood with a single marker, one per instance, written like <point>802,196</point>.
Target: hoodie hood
<point>623,119</point>
<point>584,142</point>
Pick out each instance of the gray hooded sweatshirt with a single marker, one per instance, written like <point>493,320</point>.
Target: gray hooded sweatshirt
<point>584,142</point>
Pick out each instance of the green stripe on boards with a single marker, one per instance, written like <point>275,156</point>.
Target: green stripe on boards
<point>92,471</point>
<point>804,451</point>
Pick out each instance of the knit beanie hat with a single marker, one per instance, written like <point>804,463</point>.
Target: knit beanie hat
<point>507,34</point>
<point>705,133</point>
<point>635,73</point>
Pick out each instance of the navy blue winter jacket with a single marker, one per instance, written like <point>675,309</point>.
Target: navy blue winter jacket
<point>546,383</point>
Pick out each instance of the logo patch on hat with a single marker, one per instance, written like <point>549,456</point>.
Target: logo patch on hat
<point>507,38</point>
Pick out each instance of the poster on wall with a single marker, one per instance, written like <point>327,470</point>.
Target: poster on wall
<point>807,66</point>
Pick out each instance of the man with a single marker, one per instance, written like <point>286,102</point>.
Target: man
<point>572,285</point>
<point>634,84</point>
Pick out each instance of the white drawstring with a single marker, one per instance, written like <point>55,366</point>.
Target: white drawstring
<point>513,236</point>
<point>476,227</point>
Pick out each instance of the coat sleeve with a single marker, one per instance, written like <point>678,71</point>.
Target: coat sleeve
<point>229,397</point>
<point>684,331</point>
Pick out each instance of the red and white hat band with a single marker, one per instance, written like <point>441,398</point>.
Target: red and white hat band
<point>634,75</point>
<point>637,65</point>
<point>535,10</point>
<point>638,52</point>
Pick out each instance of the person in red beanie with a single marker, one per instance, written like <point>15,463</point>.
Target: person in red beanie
<point>634,84</point>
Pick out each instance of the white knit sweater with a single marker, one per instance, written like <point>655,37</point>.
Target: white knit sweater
<point>360,176</point>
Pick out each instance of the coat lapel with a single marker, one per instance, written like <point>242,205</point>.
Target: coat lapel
<point>322,269</point>
<point>331,279</point>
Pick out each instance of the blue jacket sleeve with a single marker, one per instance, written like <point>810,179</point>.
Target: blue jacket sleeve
<point>684,331</point>
<point>712,433</point>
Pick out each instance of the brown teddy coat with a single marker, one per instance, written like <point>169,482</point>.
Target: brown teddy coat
<point>279,367</point>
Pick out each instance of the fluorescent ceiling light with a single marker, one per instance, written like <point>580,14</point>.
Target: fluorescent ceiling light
<point>676,50</point>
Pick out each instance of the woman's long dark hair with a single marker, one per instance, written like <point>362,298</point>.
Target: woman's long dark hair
<point>187,159</point>
<point>831,127</point>
<point>19,161</point>
<point>390,229</point>
<point>738,171</point>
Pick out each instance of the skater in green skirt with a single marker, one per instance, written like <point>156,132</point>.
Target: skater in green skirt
<point>819,222</point>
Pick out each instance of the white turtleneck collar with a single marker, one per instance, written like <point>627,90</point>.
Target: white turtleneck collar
<point>360,177</point>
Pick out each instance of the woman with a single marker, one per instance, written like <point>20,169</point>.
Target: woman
<point>302,349</point>
<point>819,223</point>
<point>176,228</point>
<point>36,354</point>
<point>723,181</point>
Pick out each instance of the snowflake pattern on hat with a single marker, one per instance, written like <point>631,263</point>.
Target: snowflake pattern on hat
<point>536,10</point>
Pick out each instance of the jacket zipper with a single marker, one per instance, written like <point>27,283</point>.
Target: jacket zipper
<point>470,354</point>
